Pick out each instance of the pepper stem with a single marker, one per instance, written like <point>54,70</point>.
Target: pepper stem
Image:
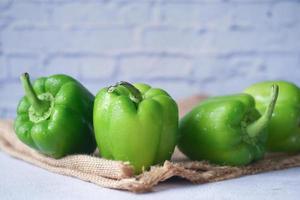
<point>256,127</point>
<point>38,105</point>
<point>135,94</point>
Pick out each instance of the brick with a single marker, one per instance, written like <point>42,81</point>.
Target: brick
<point>11,92</point>
<point>5,4</point>
<point>286,13</point>
<point>102,40</point>
<point>85,67</point>
<point>285,67</point>
<point>32,40</point>
<point>3,68</point>
<point>5,21</point>
<point>253,1</point>
<point>110,12</point>
<point>8,87</point>
<point>145,67</point>
<point>95,86</point>
<point>211,70</point>
<point>247,66</point>
<point>175,13</point>
<point>19,64</point>
<point>45,40</point>
<point>241,16</point>
<point>221,41</point>
<point>217,16</point>
<point>194,14</point>
<point>194,1</point>
<point>28,13</point>
<point>61,65</point>
<point>97,68</point>
<point>241,71</point>
<point>267,17</point>
<point>226,86</point>
<point>164,38</point>
<point>257,40</point>
<point>204,66</point>
<point>177,89</point>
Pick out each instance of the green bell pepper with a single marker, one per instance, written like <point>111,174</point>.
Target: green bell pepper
<point>55,116</point>
<point>284,128</point>
<point>135,123</point>
<point>226,130</point>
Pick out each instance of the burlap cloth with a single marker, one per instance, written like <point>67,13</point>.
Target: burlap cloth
<point>118,175</point>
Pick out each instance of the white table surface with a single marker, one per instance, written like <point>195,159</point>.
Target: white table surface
<point>20,180</point>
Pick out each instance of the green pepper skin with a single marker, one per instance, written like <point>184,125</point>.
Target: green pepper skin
<point>225,130</point>
<point>284,128</point>
<point>135,123</point>
<point>60,124</point>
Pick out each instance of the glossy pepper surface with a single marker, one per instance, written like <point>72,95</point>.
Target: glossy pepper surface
<point>284,128</point>
<point>226,130</point>
<point>135,123</point>
<point>55,116</point>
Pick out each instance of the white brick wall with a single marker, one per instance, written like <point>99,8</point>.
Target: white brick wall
<point>184,46</point>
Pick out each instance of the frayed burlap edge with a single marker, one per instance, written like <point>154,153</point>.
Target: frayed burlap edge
<point>119,175</point>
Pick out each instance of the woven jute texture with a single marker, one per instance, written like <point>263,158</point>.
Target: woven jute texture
<point>119,175</point>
